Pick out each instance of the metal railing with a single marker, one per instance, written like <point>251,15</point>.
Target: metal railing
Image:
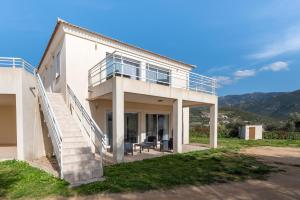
<point>52,124</point>
<point>113,65</point>
<point>17,63</point>
<point>87,123</point>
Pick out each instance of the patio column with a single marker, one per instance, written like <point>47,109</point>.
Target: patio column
<point>118,120</point>
<point>186,125</point>
<point>213,136</point>
<point>177,126</point>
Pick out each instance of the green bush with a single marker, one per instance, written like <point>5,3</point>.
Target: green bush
<point>282,135</point>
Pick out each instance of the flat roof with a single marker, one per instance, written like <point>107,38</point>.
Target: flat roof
<point>60,21</point>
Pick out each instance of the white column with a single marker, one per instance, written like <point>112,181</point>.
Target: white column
<point>118,120</point>
<point>186,125</point>
<point>177,126</point>
<point>143,126</point>
<point>213,136</point>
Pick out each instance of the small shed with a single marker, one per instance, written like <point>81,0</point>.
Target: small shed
<point>251,132</point>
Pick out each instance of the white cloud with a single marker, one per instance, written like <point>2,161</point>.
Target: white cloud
<point>244,73</point>
<point>276,66</point>
<point>223,80</point>
<point>289,42</point>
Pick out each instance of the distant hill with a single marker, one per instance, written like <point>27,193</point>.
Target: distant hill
<point>273,105</point>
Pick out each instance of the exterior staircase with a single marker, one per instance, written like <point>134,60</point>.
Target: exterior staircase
<point>79,165</point>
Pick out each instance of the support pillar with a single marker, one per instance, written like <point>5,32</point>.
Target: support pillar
<point>213,136</point>
<point>118,120</point>
<point>186,125</point>
<point>177,126</point>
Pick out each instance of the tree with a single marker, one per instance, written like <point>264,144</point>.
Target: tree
<point>293,123</point>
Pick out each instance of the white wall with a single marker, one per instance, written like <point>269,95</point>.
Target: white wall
<point>30,138</point>
<point>244,132</point>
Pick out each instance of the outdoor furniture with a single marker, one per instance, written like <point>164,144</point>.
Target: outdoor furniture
<point>128,148</point>
<point>164,145</point>
<point>140,145</point>
<point>171,144</point>
<point>150,142</point>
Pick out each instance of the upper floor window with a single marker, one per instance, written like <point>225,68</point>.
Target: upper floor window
<point>158,75</point>
<point>122,66</point>
<point>58,65</point>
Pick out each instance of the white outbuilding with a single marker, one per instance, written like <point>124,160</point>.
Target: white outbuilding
<point>251,132</point>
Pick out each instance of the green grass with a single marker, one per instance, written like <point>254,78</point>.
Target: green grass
<point>18,179</point>
<point>236,143</point>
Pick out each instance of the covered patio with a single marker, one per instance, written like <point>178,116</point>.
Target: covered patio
<point>152,153</point>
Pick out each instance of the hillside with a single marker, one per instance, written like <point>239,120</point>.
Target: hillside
<point>273,105</point>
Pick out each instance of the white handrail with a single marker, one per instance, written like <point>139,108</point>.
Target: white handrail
<point>52,124</point>
<point>17,63</point>
<point>113,66</point>
<point>89,126</point>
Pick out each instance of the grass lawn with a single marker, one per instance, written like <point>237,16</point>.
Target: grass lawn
<point>18,179</point>
<point>236,143</point>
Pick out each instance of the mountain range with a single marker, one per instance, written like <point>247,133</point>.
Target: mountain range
<point>277,105</point>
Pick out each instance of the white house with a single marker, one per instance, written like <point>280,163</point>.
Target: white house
<point>100,96</point>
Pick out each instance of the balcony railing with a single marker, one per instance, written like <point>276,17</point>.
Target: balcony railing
<point>117,65</point>
<point>17,63</point>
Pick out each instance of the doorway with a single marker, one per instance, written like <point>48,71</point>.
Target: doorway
<point>130,128</point>
<point>8,127</point>
<point>157,125</point>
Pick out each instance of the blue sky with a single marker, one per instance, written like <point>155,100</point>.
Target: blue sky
<point>248,46</point>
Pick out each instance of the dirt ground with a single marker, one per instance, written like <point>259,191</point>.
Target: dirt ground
<point>280,185</point>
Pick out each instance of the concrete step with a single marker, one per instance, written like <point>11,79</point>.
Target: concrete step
<point>72,151</point>
<point>74,145</point>
<point>80,159</point>
<point>74,139</point>
<point>75,177</point>
<point>92,164</point>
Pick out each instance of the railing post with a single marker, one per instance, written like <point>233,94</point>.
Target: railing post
<point>13,62</point>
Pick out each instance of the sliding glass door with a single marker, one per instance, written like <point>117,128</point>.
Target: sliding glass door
<point>130,128</point>
<point>157,125</point>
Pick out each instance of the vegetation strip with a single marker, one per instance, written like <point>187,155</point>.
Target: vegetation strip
<point>19,180</point>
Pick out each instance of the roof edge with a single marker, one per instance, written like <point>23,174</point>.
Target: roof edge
<point>61,21</point>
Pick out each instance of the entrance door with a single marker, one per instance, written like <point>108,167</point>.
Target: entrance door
<point>130,128</point>
<point>157,125</point>
<point>252,133</point>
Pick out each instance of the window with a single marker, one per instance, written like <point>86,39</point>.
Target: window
<point>58,65</point>
<point>122,66</point>
<point>158,75</point>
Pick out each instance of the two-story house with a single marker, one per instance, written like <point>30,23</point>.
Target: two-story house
<point>98,94</point>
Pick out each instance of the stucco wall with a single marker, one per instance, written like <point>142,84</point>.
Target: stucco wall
<point>8,125</point>
<point>51,81</point>
<point>31,139</point>
<point>99,108</point>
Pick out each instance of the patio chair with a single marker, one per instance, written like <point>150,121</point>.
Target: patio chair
<point>164,145</point>
<point>150,141</point>
<point>128,148</point>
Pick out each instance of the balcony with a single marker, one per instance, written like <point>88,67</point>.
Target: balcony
<point>10,62</point>
<point>117,64</point>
